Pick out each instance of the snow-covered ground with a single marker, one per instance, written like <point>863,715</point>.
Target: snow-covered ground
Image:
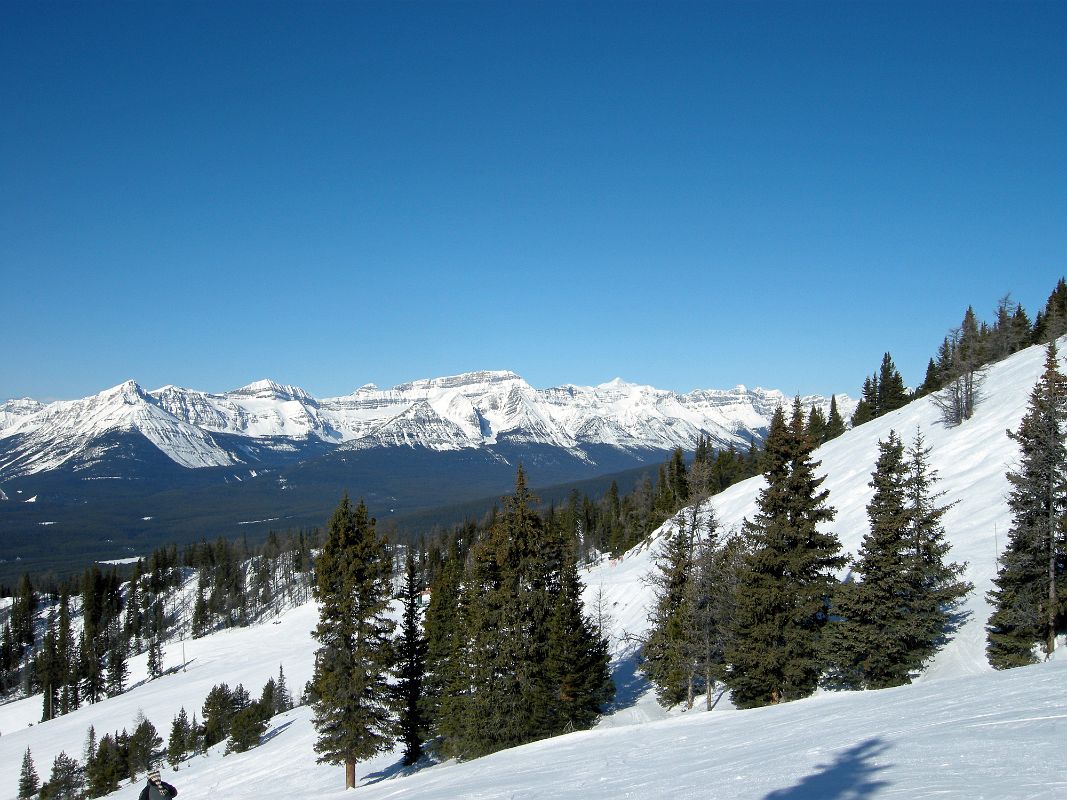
<point>962,730</point>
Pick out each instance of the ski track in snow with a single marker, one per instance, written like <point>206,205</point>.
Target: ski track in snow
<point>962,730</point>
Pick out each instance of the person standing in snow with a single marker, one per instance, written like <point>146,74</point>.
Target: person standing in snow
<point>156,788</point>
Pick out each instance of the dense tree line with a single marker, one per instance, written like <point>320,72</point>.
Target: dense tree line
<point>761,609</point>
<point>74,647</point>
<point>955,374</point>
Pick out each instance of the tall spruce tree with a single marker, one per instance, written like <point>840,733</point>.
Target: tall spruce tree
<point>835,423</point>
<point>672,638</point>
<point>177,742</point>
<point>29,783</point>
<point>936,587</point>
<point>411,665</point>
<point>867,645</point>
<point>353,713</point>
<point>891,391</point>
<point>445,638</point>
<point>1029,599</point>
<point>506,604</point>
<point>577,658</point>
<point>782,599</point>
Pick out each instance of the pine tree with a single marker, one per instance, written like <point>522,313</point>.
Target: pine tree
<point>671,641</point>
<point>867,646</point>
<point>835,423</point>
<point>1028,600</point>
<point>106,771</point>
<point>353,709</point>
<point>867,407</point>
<point>789,576</point>
<point>178,741</point>
<point>718,566</point>
<point>890,387</point>
<point>65,782</point>
<point>932,381</point>
<point>506,604</point>
<point>29,783</point>
<point>283,700</point>
<point>816,427</point>
<point>411,666</point>
<point>144,745</point>
<point>445,634</point>
<point>247,728</point>
<point>936,588</point>
<point>155,658</point>
<point>577,657</point>
<point>117,668</point>
<point>218,710</point>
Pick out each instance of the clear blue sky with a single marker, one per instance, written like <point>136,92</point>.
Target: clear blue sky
<point>687,195</point>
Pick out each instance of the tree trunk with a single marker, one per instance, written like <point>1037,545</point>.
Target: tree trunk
<point>711,692</point>
<point>350,773</point>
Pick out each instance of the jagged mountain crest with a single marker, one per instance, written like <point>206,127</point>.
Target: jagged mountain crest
<point>467,411</point>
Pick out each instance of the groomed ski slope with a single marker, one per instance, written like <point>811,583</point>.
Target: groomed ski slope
<point>962,730</point>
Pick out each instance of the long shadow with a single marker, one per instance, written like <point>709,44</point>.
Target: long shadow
<point>850,777</point>
<point>629,683</point>
<point>398,768</point>
<point>274,732</point>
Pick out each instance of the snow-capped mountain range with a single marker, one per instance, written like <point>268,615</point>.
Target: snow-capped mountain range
<point>197,429</point>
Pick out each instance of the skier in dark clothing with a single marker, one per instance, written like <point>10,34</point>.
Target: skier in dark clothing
<point>156,788</point>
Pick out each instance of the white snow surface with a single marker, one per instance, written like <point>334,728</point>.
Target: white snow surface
<point>450,413</point>
<point>961,730</point>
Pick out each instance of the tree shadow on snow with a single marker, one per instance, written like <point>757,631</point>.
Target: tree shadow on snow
<point>850,777</point>
<point>630,684</point>
<point>274,732</point>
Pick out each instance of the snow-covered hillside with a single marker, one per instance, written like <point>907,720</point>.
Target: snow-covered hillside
<point>962,730</point>
<point>473,410</point>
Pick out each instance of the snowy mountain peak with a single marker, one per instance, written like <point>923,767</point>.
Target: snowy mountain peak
<point>469,410</point>
<point>266,389</point>
<point>470,381</point>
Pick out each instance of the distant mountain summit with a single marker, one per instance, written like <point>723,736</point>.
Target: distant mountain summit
<point>474,410</point>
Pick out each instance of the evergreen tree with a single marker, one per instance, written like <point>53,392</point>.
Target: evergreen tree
<point>106,771</point>
<point>867,646</point>
<point>890,387</point>
<point>1052,322</point>
<point>1029,599</point>
<point>789,576</point>
<point>867,407</point>
<point>248,726</point>
<point>144,744</point>
<point>936,589</point>
<point>155,658</point>
<point>578,658</point>
<point>117,669</point>
<point>506,604</point>
<point>718,567</point>
<point>218,710</point>
<point>445,635</point>
<point>411,666</point>
<point>932,381</point>
<point>283,700</point>
<point>835,423</point>
<point>352,706</point>
<point>65,782</point>
<point>670,645</point>
<point>816,426</point>
<point>178,741</point>
<point>29,783</point>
